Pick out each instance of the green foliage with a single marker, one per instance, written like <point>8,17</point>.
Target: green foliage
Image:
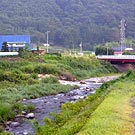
<point>13,76</point>
<point>69,22</point>
<point>103,50</point>
<point>26,54</point>
<point>46,69</point>
<point>113,116</point>
<point>4,47</point>
<point>50,80</point>
<point>5,133</point>
<point>128,53</point>
<point>27,47</point>
<point>6,113</point>
<point>20,51</point>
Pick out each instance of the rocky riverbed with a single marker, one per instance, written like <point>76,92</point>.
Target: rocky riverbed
<point>45,105</point>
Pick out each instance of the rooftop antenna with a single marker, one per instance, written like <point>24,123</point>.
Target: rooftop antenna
<point>122,34</point>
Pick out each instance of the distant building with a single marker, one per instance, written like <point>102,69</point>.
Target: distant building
<point>118,53</point>
<point>129,50</point>
<point>117,50</point>
<point>14,42</point>
<point>39,52</point>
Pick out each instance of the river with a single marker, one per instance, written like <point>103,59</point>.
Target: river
<point>45,105</point>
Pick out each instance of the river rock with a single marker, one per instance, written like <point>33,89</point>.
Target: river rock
<point>25,133</point>
<point>30,116</point>
<point>14,124</point>
<point>20,116</point>
<point>23,112</point>
<point>76,97</point>
<point>82,82</point>
<point>9,122</point>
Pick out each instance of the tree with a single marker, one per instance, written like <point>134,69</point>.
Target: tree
<point>103,50</point>
<point>5,47</point>
<point>27,47</point>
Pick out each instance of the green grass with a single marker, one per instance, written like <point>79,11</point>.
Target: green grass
<point>113,116</point>
<point>81,67</point>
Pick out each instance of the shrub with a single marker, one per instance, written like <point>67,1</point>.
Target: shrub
<point>28,69</point>
<point>50,80</point>
<point>46,69</point>
<point>34,75</point>
<point>6,112</point>
<point>32,81</point>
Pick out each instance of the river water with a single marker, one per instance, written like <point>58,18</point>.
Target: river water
<point>45,105</point>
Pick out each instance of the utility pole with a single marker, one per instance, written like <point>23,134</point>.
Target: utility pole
<point>81,47</point>
<point>122,34</point>
<point>47,44</point>
<point>107,47</point>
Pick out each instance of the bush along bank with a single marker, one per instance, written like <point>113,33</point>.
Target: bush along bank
<point>74,116</point>
<point>79,67</point>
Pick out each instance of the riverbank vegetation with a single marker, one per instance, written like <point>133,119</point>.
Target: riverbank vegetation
<point>109,111</point>
<point>35,76</point>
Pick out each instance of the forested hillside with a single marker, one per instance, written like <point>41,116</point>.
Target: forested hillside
<point>69,21</point>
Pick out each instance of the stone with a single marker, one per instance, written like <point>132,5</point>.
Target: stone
<point>75,97</point>
<point>20,116</point>
<point>30,116</point>
<point>25,133</point>
<point>9,122</point>
<point>7,128</point>
<point>82,82</point>
<point>14,124</point>
<point>23,112</point>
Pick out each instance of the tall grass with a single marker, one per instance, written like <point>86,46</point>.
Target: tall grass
<point>11,97</point>
<point>80,67</point>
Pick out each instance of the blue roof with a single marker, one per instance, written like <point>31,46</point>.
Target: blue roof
<point>14,38</point>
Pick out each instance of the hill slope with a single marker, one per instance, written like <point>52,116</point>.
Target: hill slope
<point>68,21</point>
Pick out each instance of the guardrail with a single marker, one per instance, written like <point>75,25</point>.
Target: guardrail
<point>116,57</point>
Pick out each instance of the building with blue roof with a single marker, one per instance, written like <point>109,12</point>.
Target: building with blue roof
<point>15,41</point>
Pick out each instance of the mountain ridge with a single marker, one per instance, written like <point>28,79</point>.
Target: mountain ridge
<point>68,21</point>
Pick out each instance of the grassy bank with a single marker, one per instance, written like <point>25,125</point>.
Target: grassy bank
<point>113,116</point>
<point>107,112</point>
<point>23,70</point>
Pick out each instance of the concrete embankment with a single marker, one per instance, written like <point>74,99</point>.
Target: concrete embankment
<point>124,67</point>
